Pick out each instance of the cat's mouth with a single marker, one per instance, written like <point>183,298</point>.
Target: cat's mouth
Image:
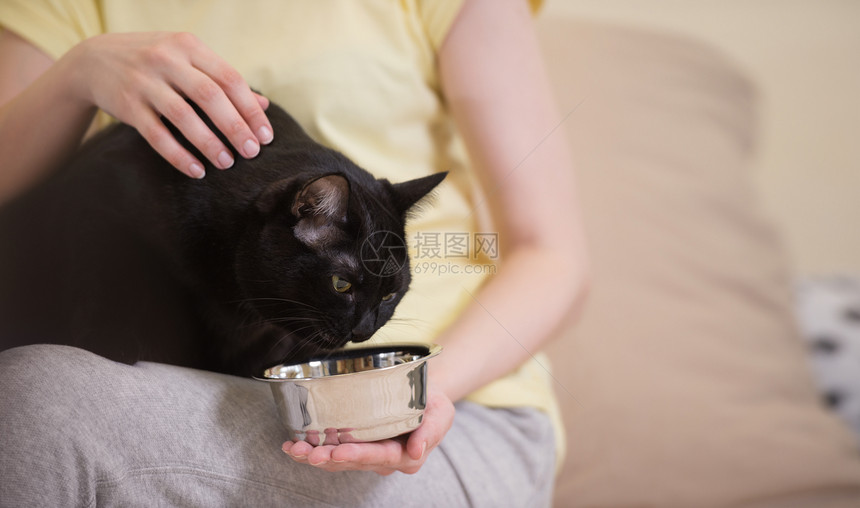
<point>330,341</point>
<point>317,342</point>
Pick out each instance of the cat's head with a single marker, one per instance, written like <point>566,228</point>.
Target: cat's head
<point>328,263</point>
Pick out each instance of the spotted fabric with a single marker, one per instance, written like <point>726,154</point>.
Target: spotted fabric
<point>829,316</point>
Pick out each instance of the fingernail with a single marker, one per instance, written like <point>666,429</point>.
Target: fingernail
<point>251,149</point>
<point>423,450</point>
<point>225,160</point>
<point>196,171</point>
<point>265,135</point>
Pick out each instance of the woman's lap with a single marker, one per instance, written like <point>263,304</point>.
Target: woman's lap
<point>77,429</point>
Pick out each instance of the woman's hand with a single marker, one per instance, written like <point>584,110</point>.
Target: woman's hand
<point>406,453</point>
<point>140,77</point>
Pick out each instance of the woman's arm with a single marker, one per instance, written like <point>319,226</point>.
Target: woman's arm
<point>46,107</point>
<point>40,121</point>
<point>499,95</point>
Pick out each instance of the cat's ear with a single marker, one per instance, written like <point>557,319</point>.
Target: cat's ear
<point>325,199</point>
<point>321,209</point>
<point>406,194</point>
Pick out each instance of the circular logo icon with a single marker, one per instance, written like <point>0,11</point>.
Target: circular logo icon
<point>384,253</point>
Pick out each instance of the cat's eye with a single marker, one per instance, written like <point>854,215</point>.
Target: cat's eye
<point>340,285</point>
<point>388,297</point>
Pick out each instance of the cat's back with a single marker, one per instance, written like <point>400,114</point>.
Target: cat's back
<point>77,264</point>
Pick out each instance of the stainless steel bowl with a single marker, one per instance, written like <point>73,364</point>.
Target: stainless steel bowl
<point>353,395</point>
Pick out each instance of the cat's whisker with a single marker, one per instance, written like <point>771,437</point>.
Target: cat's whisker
<point>298,343</point>
<point>259,281</point>
<point>278,343</point>
<point>293,319</point>
<point>303,342</point>
<point>275,321</point>
<point>315,314</point>
<point>421,326</point>
<point>302,329</point>
<point>275,301</point>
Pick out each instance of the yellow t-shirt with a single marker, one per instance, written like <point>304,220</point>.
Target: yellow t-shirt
<point>359,76</point>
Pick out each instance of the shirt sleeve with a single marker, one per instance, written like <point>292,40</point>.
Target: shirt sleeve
<point>438,16</point>
<point>54,26</point>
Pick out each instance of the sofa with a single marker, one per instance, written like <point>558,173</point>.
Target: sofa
<point>684,382</point>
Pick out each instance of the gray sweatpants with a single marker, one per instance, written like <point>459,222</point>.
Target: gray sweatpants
<point>79,430</point>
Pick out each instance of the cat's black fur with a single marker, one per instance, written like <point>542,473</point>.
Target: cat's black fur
<point>121,254</point>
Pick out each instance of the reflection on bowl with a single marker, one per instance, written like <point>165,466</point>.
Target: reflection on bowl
<point>353,395</point>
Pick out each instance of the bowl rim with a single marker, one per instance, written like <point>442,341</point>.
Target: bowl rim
<point>432,350</point>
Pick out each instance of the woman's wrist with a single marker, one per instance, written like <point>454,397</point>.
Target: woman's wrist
<point>443,378</point>
<point>75,69</point>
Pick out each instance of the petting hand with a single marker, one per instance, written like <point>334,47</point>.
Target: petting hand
<point>405,453</point>
<point>140,77</point>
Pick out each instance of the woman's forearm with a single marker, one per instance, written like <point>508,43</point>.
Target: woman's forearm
<point>497,333</point>
<point>499,96</point>
<point>40,124</point>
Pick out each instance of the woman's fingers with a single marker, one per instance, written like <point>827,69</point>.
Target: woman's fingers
<point>179,113</point>
<point>209,97</point>
<point>163,142</point>
<point>144,76</point>
<point>263,102</point>
<point>404,453</point>
<point>382,457</point>
<point>234,88</point>
<point>299,449</point>
<point>438,418</point>
<point>386,454</point>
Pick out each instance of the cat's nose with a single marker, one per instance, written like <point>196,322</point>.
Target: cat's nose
<point>361,334</point>
<point>359,337</point>
<point>364,329</point>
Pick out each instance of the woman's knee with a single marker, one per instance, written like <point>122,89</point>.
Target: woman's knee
<point>46,425</point>
<point>41,386</point>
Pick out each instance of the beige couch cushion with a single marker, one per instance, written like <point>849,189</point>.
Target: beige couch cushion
<point>684,383</point>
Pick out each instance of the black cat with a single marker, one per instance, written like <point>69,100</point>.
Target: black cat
<point>296,251</point>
